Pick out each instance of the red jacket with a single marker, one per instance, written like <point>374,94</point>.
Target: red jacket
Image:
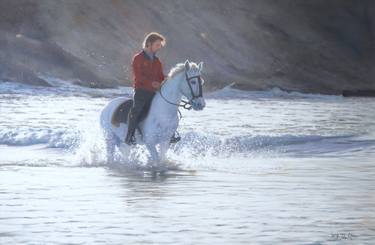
<point>145,71</point>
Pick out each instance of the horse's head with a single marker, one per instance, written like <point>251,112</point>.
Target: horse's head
<point>192,88</point>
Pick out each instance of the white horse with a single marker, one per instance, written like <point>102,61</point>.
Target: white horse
<point>161,122</point>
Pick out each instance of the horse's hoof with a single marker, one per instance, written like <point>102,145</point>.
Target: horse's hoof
<point>175,139</point>
<point>130,142</point>
<point>168,162</point>
<point>157,167</point>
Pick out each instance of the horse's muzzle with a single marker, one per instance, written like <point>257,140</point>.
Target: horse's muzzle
<point>198,104</point>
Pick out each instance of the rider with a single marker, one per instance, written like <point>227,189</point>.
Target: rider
<point>148,76</point>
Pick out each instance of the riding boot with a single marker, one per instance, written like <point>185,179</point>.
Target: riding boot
<point>175,138</point>
<point>132,125</point>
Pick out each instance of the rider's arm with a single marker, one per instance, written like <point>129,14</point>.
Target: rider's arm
<point>160,77</point>
<point>161,74</point>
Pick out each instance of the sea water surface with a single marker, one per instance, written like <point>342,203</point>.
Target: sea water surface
<point>271,168</point>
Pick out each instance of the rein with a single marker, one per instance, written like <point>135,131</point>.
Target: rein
<point>185,104</point>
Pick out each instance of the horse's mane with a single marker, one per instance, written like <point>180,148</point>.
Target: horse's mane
<point>176,70</point>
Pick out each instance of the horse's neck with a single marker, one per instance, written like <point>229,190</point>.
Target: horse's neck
<point>170,92</point>
<point>171,89</point>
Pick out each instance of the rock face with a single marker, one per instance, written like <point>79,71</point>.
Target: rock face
<point>315,46</point>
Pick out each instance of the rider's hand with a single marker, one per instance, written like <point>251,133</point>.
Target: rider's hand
<point>155,84</point>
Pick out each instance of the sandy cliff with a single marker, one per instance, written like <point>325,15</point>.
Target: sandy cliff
<point>309,46</point>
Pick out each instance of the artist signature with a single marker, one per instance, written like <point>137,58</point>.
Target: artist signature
<point>342,236</point>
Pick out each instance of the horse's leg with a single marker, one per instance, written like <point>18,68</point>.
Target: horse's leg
<point>154,159</point>
<point>110,142</point>
<point>164,146</point>
<point>125,152</point>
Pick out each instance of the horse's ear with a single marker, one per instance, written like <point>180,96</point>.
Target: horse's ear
<point>187,65</point>
<point>200,66</point>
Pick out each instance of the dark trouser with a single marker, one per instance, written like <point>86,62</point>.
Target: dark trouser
<point>141,103</point>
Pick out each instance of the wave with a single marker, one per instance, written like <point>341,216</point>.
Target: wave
<point>201,145</point>
<point>61,88</point>
<point>231,93</point>
<point>68,88</point>
<point>197,144</point>
<point>62,138</point>
<point>67,147</point>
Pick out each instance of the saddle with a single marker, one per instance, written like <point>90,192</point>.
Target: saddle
<point>121,116</point>
<point>122,111</point>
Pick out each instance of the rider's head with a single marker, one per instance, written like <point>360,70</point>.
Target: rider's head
<point>154,42</point>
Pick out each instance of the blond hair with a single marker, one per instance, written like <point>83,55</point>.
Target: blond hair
<point>152,37</point>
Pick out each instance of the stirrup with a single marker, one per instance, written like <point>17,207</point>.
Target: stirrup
<point>175,138</point>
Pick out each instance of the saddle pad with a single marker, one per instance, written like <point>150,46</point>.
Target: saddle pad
<point>121,113</point>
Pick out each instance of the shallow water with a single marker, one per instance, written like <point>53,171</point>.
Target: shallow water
<point>272,167</point>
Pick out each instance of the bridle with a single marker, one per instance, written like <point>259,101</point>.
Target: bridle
<point>186,104</point>
<point>191,89</point>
